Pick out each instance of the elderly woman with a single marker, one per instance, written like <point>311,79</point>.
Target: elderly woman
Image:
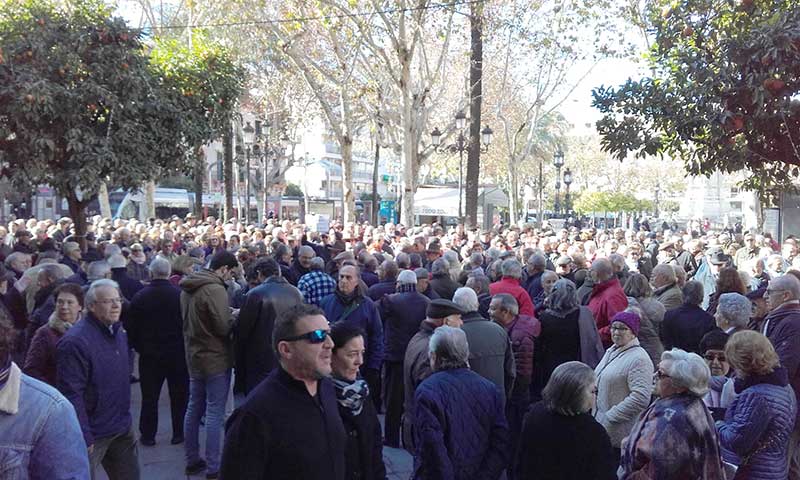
<point>720,387</point>
<point>455,439</point>
<point>651,314</point>
<point>568,333</point>
<point>624,379</point>
<point>733,313</point>
<point>759,422</point>
<point>40,362</point>
<point>363,452</point>
<point>675,437</point>
<point>548,449</point>
<point>548,279</point>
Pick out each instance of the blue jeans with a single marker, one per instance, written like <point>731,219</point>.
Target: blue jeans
<point>206,395</point>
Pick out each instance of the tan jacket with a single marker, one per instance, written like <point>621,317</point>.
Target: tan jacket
<point>206,324</point>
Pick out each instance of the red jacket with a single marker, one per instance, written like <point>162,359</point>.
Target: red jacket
<point>606,301</point>
<point>511,286</point>
<point>521,333</point>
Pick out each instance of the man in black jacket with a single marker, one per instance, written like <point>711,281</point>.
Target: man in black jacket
<point>156,332</point>
<point>289,426</point>
<point>263,305</point>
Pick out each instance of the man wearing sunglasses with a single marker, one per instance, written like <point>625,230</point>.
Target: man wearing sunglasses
<point>289,426</point>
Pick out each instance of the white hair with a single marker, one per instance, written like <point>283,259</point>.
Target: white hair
<point>687,370</point>
<point>466,298</point>
<point>91,294</point>
<point>160,268</point>
<point>450,346</point>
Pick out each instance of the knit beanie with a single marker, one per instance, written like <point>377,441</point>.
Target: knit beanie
<point>630,319</point>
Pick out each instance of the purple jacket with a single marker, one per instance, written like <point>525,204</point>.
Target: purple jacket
<point>521,333</point>
<point>783,330</point>
<point>92,363</point>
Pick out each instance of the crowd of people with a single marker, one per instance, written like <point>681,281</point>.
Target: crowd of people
<point>670,354</point>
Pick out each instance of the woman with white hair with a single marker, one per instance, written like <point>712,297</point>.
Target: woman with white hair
<point>759,422</point>
<point>675,437</point>
<point>733,313</point>
<point>454,438</point>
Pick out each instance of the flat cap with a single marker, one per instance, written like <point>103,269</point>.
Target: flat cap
<point>441,308</point>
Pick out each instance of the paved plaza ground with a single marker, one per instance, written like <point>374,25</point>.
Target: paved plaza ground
<point>165,461</point>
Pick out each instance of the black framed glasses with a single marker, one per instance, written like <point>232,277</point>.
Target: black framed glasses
<point>314,336</point>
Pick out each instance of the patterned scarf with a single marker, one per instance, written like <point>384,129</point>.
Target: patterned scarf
<point>5,370</point>
<point>351,395</point>
<point>406,287</point>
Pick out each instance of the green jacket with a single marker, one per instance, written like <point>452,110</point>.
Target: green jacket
<point>206,324</point>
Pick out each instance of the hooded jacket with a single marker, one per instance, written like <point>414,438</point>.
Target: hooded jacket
<point>206,324</point>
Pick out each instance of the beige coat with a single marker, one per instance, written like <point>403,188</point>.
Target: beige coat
<point>624,387</point>
<point>670,296</point>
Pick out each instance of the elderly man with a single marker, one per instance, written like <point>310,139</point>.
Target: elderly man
<point>39,431</point>
<point>457,439</point>
<point>156,332</point>
<point>749,252</point>
<point>72,256</point>
<point>18,263</point>
<point>441,281</point>
<point>782,327</point>
<point>388,275</point>
<point>302,264</point>
<point>606,299</point>
<point>119,273</point>
<point>684,327</point>
<point>289,426</point>
<point>490,354</point>
<point>349,304</point>
<point>263,305</point>
<point>521,330</point>
<point>316,284</point>
<point>537,263</point>
<point>92,363</point>
<point>402,313</point>
<point>509,283</point>
<point>424,283</point>
<point>206,332</point>
<point>417,364</point>
<point>665,287</point>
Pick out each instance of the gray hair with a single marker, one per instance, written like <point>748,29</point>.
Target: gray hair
<point>112,249</point>
<point>13,257</point>
<point>537,261</point>
<point>511,268</point>
<point>317,263</point>
<point>450,346</point>
<point>91,294</point>
<point>637,286</point>
<point>476,259</point>
<point>567,391</point>
<point>53,271</point>
<point>666,271</point>
<point>789,284</point>
<point>466,298</point>
<point>687,370</point>
<point>507,303</point>
<point>306,249</point>
<point>617,261</point>
<point>479,283</point>
<point>735,309</point>
<point>440,265</point>
<point>564,297</point>
<point>160,268</point>
<point>694,293</point>
<point>97,270</point>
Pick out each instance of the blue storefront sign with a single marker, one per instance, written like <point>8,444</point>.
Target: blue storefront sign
<point>387,211</point>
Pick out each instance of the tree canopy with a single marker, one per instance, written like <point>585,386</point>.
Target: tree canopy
<point>722,91</point>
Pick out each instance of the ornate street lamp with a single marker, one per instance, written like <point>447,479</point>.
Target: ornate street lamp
<point>567,182</point>
<point>558,161</point>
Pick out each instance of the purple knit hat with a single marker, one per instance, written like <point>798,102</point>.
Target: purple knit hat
<point>630,319</point>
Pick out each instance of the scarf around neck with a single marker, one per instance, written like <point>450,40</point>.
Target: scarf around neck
<point>5,370</point>
<point>348,299</point>
<point>59,326</point>
<point>351,395</point>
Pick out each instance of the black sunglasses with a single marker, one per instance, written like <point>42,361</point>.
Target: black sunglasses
<point>314,336</point>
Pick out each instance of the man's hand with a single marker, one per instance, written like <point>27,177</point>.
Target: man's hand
<point>91,449</point>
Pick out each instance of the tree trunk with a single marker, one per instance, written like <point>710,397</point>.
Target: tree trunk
<point>227,171</point>
<point>199,175</point>
<point>513,194</point>
<point>348,198</point>
<point>374,218</point>
<point>475,101</point>
<point>102,199</point>
<point>409,150</point>
<point>77,211</point>
<point>149,210</point>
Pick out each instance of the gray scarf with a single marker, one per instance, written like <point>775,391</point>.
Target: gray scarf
<point>351,395</point>
<point>59,326</point>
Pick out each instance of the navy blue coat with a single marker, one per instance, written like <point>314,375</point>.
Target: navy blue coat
<point>760,420</point>
<point>457,439</point>
<point>367,318</point>
<point>378,290</point>
<point>156,325</point>
<point>92,362</point>
<point>128,287</point>
<point>402,313</point>
<point>683,327</point>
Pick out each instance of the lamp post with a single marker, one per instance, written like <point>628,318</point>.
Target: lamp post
<point>567,182</point>
<point>558,161</point>
<point>460,146</point>
<point>658,191</point>
<point>248,134</point>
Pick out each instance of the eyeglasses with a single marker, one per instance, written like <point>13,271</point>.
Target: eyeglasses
<point>720,357</point>
<point>658,375</point>
<point>314,336</point>
<point>114,301</point>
